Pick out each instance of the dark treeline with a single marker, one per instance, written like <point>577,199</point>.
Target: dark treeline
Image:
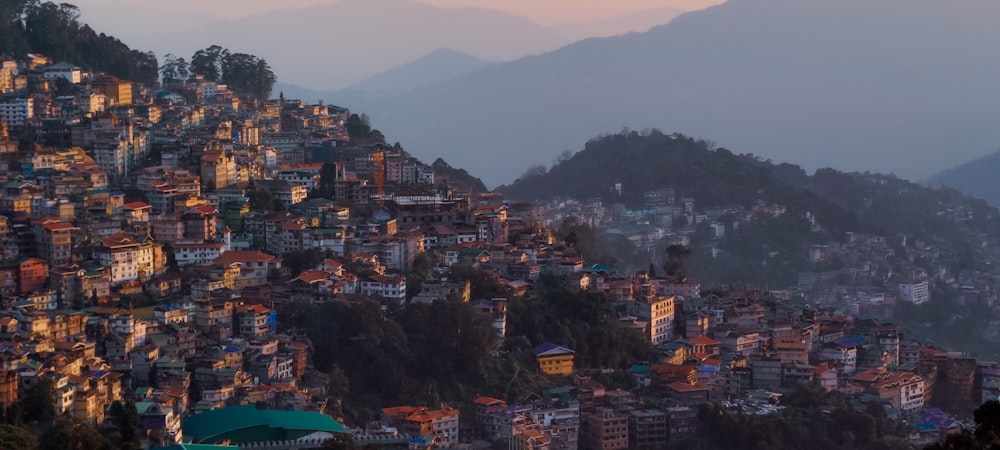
<point>377,355</point>
<point>54,30</point>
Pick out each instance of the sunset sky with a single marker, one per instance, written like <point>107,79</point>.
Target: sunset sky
<point>541,11</point>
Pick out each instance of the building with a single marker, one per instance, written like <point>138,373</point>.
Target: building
<point>607,430</point>
<point>554,359</point>
<point>128,259</point>
<point>440,425</point>
<point>245,425</point>
<point>658,311</point>
<point>914,292</point>
<point>17,112</point>
<point>647,429</point>
<point>115,89</point>
<point>385,286</point>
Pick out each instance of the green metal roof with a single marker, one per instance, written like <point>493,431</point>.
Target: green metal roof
<point>246,423</point>
<point>196,447</point>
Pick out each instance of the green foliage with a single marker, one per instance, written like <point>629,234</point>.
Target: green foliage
<point>54,30</point>
<point>449,351</point>
<point>360,131</point>
<point>985,436</point>
<point>646,161</point>
<point>39,401</point>
<point>174,69</point>
<point>67,433</point>
<point>207,62</point>
<point>124,420</point>
<point>457,177</point>
<point>483,284</point>
<point>812,419</point>
<point>299,260</point>
<point>262,200</point>
<point>17,438</point>
<point>586,322</point>
<point>245,74</point>
<point>421,268</point>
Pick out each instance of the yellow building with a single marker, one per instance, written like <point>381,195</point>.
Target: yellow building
<point>554,359</point>
<point>114,88</point>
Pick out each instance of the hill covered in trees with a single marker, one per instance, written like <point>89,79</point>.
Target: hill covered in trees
<point>53,30</point>
<point>718,177</point>
<point>976,178</point>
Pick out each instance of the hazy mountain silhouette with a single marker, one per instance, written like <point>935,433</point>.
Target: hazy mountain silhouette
<point>635,22</point>
<point>976,178</point>
<point>881,85</point>
<point>433,68</point>
<point>334,45</point>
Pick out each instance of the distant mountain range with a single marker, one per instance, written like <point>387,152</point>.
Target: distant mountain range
<point>977,178</point>
<point>328,45</point>
<point>638,22</point>
<point>436,67</point>
<point>331,46</point>
<point>880,85</point>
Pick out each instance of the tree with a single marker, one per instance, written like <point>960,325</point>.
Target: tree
<point>677,255</point>
<point>208,62</point>
<point>174,69</point>
<point>39,403</point>
<point>67,433</point>
<point>17,438</point>
<point>299,260</point>
<point>125,420</point>
<point>264,82</point>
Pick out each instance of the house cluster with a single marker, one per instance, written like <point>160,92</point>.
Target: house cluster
<point>148,237</point>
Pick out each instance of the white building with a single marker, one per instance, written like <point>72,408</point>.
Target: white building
<point>17,112</point>
<point>393,287</point>
<point>66,71</point>
<point>197,253</point>
<point>915,293</point>
<point>658,311</point>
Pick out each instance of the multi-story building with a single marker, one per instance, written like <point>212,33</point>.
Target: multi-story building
<point>413,421</point>
<point>115,89</point>
<point>386,286</point>
<point>218,169</point>
<point>17,112</point>
<point>658,311</point>
<point>54,241</point>
<point>197,252</point>
<point>554,359</point>
<point>607,430</point>
<point>647,429</point>
<point>128,259</point>
<point>916,292</point>
<point>256,320</point>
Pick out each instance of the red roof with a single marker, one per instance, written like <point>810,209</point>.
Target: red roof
<point>136,205</point>
<point>245,256</point>
<point>703,340</point>
<point>58,226</point>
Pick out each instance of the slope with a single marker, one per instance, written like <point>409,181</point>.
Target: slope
<point>813,82</point>
<point>430,69</point>
<point>334,45</point>
<point>977,178</point>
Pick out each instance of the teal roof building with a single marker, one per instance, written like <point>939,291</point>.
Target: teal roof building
<point>245,424</point>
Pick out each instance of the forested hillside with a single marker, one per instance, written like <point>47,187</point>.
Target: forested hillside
<point>53,30</point>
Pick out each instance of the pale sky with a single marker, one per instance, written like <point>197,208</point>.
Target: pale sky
<point>545,12</point>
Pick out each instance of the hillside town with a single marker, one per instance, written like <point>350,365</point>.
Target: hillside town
<point>152,236</point>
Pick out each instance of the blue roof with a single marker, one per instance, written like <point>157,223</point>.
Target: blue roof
<point>850,341</point>
<point>548,347</point>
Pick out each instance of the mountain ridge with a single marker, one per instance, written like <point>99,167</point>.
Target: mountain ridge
<point>862,100</point>
<point>976,178</point>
